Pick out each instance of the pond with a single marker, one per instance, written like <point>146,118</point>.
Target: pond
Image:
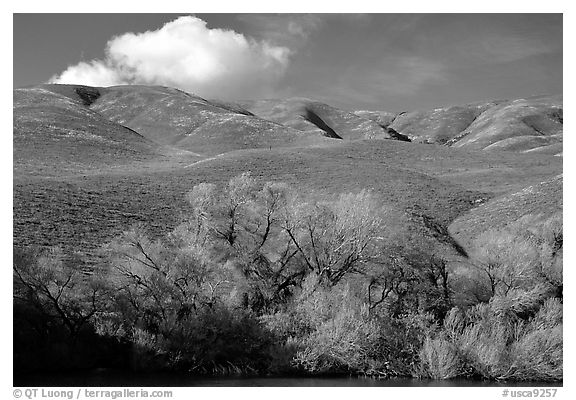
<point>106,377</point>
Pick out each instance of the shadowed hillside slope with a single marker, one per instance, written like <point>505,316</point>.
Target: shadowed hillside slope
<point>439,125</point>
<point>522,125</point>
<point>518,125</point>
<point>55,133</point>
<point>382,118</point>
<point>172,117</point>
<point>315,117</point>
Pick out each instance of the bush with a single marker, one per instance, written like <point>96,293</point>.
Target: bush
<point>346,342</point>
<point>177,307</point>
<point>212,341</point>
<point>537,355</point>
<point>56,287</point>
<point>440,359</point>
<point>330,329</point>
<point>327,330</point>
<point>518,333</point>
<point>55,304</point>
<point>483,346</point>
<point>503,346</point>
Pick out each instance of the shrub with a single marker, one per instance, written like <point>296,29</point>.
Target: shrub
<point>518,333</point>
<point>345,343</point>
<point>537,355</point>
<point>56,287</point>
<point>440,359</point>
<point>403,338</point>
<point>214,339</point>
<point>501,345</point>
<point>483,346</point>
<point>330,329</point>
<point>176,306</point>
<point>55,304</point>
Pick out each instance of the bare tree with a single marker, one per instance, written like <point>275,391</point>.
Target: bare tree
<point>276,238</point>
<point>335,239</point>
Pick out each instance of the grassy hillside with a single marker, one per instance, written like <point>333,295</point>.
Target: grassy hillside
<point>529,119</point>
<point>315,117</point>
<point>172,117</point>
<point>522,125</point>
<point>438,125</point>
<point>55,134</point>
<point>440,183</point>
<point>382,118</point>
<point>541,200</point>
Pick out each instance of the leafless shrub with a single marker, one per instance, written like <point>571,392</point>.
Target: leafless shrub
<point>440,359</point>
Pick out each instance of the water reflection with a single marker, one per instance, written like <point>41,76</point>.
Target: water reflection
<point>105,378</point>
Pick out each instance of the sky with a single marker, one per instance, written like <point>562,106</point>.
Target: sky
<point>391,62</point>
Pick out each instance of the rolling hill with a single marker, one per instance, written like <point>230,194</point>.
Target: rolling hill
<point>55,134</point>
<point>522,125</point>
<point>90,162</point>
<point>188,122</point>
<point>541,200</point>
<point>314,117</point>
<point>518,125</point>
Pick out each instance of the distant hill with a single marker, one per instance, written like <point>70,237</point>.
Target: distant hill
<point>181,120</point>
<point>54,133</point>
<point>172,117</point>
<point>522,125</point>
<point>315,117</point>
<point>518,125</point>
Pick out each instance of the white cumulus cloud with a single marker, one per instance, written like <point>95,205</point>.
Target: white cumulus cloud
<point>186,54</point>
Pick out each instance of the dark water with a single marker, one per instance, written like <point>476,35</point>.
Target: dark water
<point>105,378</point>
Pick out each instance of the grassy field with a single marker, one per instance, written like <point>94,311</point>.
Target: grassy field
<point>82,211</point>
